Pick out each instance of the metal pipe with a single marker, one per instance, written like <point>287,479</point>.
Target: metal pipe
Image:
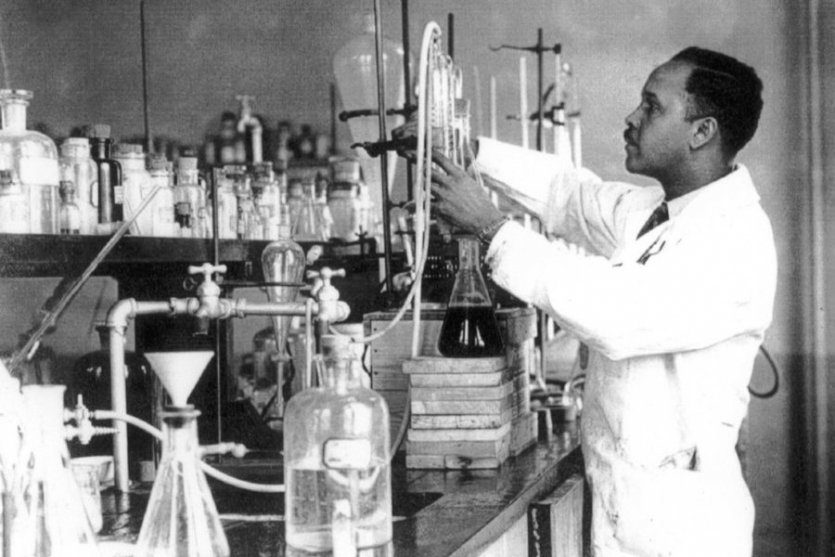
<point>407,79</point>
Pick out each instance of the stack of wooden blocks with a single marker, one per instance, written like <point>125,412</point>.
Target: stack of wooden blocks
<point>466,412</point>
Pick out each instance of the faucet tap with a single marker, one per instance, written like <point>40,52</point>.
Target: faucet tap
<point>208,293</point>
<point>331,310</point>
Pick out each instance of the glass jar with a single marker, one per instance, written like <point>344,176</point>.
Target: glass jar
<point>344,210</point>
<point>33,159</point>
<point>227,201</point>
<point>70,215</point>
<point>336,470</point>
<point>136,184</point>
<point>78,167</point>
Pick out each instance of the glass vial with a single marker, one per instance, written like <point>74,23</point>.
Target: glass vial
<point>336,470</point>
<point>50,520</point>
<point>470,328</point>
<point>181,519</point>
<point>70,216</point>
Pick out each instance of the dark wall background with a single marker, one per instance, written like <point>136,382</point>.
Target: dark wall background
<point>82,60</point>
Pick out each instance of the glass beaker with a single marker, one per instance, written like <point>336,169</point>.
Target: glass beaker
<point>470,328</point>
<point>312,223</point>
<point>50,518</point>
<point>336,470</point>
<point>181,519</point>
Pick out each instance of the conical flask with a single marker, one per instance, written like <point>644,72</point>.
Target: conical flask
<point>181,519</point>
<point>470,329</point>
<point>48,519</point>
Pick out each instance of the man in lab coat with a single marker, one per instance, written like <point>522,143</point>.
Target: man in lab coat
<point>671,291</point>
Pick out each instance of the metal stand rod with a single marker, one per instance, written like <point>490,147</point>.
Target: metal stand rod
<point>384,167</point>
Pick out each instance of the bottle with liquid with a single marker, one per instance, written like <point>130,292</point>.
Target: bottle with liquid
<point>14,206</point>
<point>70,216</point>
<point>249,222</point>
<point>78,167</point>
<point>50,519</point>
<point>336,469</point>
<point>111,191</point>
<point>470,328</point>
<point>181,518</point>
<point>189,199</point>
<point>33,159</point>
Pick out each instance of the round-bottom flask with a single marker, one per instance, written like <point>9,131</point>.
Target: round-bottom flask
<point>336,470</point>
<point>181,519</point>
<point>49,519</point>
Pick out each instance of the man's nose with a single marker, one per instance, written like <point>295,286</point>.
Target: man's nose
<point>632,119</point>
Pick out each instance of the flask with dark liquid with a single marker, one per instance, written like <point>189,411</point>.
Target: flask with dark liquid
<point>470,328</point>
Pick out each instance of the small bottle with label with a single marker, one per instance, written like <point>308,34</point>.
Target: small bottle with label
<point>70,216</point>
<point>336,467</point>
<point>111,190</point>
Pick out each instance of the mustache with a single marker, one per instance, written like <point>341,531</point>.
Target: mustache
<point>629,137</point>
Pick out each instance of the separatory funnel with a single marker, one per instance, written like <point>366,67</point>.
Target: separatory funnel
<point>181,519</point>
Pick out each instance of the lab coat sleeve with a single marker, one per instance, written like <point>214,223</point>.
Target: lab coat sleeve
<point>573,204</point>
<point>709,289</point>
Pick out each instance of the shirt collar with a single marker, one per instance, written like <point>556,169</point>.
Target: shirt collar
<point>734,189</point>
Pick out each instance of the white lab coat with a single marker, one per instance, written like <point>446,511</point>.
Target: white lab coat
<point>672,341</point>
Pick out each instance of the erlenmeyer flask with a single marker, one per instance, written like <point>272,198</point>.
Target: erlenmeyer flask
<point>470,329</point>
<point>49,516</point>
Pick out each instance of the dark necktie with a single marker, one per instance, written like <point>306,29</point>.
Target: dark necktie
<point>659,216</point>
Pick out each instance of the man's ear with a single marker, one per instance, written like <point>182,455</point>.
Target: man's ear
<point>704,131</point>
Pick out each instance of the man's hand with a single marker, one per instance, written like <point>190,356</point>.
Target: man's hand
<point>459,198</point>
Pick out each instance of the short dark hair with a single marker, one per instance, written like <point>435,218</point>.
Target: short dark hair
<point>723,87</point>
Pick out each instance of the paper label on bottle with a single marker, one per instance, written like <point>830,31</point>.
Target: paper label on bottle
<point>351,454</point>
<point>39,170</point>
<point>119,195</point>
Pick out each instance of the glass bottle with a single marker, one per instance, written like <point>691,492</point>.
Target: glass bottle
<point>163,223</point>
<point>111,192</point>
<point>269,200</point>
<point>78,167</point>
<point>136,184</point>
<point>181,519</point>
<point>70,215</point>
<point>51,520</point>
<point>189,199</point>
<point>14,206</point>
<point>312,224</point>
<point>249,221</point>
<point>227,205</point>
<point>470,328</point>
<point>33,159</point>
<point>343,207</point>
<point>336,470</point>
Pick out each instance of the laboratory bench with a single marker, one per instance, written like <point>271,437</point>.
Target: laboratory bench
<point>484,513</point>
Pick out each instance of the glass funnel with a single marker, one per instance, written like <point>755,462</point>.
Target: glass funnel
<point>33,159</point>
<point>50,520</point>
<point>470,329</point>
<point>336,470</point>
